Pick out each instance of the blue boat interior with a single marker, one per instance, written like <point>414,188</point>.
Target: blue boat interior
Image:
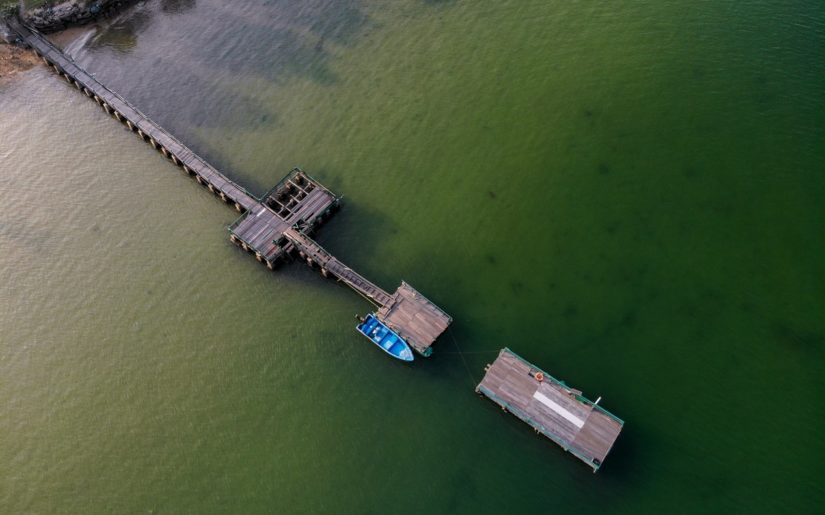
<point>385,338</point>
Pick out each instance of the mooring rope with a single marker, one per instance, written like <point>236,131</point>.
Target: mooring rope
<point>489,351</point>
<point>463,360</point>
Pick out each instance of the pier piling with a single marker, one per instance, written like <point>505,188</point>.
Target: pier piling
<point>271,226</point>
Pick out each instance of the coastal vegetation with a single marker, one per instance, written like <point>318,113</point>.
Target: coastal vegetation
<point>8,8</point>
<point>52,16</point>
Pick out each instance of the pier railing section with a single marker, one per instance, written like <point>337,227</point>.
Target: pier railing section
<point>136,121</point>
<point>272,226</point>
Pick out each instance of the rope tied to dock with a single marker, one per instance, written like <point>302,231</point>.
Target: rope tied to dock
<point>473,380</point>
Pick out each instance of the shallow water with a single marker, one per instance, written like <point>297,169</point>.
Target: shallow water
<point>629,196</point>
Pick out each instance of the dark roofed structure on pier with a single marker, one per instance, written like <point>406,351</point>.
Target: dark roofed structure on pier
<point>280,223</point>
<point>552,408</point>
<point>297,201</point>
<point>271,227</point>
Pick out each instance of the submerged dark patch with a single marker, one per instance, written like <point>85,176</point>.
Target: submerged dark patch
<point>796,340</point>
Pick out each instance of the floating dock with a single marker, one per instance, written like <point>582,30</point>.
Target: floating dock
<point>273,227</point>
<point>552,408</point>
<point>279,225</point>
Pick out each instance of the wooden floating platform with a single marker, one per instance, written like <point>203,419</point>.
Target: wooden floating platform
<point>553,409</point>
<point>272,226</point>
<point>280,222</point>
<point>414,318</point>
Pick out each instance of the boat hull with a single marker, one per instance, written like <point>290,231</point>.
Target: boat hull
<point>385,338</point>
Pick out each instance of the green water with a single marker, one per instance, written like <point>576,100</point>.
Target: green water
<point>630,195</point>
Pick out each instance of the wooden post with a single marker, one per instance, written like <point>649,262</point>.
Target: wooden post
<point>237,207</point>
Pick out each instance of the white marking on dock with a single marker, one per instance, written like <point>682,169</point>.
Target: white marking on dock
<point>573,419</point>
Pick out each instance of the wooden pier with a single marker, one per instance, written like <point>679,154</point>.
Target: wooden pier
<point>279,225</point>
<point>272,227</point>
<point>137,122</point>
<point>552,408</point>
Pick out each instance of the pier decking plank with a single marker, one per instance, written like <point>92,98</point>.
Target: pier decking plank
<point>129,113</point>
<point>578,425</point>
<point>413,317</point>
<point>301,201</point>
<point>328,262</point>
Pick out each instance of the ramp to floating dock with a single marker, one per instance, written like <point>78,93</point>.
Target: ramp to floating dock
<point>135,120</point>
<point>316,254</point>
<point>271,227</point>
<point>553,409</point>
<point>411,315</point>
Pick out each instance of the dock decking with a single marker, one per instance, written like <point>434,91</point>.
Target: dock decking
<point>135,120</point>
<point>279,224</point>
<point>552,408</point>
<point>271,227</point>
<point>317,255</point>
<point>413,317</point>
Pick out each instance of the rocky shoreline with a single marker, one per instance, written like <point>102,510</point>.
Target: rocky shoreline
<point>50,18</point>
<point>53,18</point>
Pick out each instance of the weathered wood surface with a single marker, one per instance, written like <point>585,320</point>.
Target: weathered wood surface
<point>414,318</point>
<point>259,229</point>
<point>270,227</point>
<point>330,263</point>
<point>314,205</point>
<point>552,408</point>
<point>138,122</point>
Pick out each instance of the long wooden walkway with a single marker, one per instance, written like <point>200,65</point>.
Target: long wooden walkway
<point>271,226</point>
<point>135,120</point>
<point>280,223</point>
